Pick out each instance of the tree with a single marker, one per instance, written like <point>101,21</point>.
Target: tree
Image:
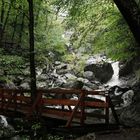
<point>32,52</point>
<point>131,12</point>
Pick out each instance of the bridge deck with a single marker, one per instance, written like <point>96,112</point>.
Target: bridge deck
<point>54,103</point>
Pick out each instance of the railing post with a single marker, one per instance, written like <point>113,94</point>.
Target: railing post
<point>113,111</point>
<point>82,119</point>
<point>34,108</point>
<point>39,104</point>
<point>107,109</point>
<point>2,100</point>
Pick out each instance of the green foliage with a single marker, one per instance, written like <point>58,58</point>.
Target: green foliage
<point>48,34</point>
<point>99,27</point>
<point>114,38</point>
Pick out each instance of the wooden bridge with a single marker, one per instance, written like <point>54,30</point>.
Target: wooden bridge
<point>54,103</point>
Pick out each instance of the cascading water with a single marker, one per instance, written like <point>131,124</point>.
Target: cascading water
<point>115,78</point>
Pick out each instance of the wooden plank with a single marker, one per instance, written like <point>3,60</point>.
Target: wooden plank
<point>4,90</point>
<point>18,98</point>
<point>71,91</point>
<point>95,115</point>
<point>96,104</point>
<point>54,90</point>
<point>57,113</point>
<point>69,102</point>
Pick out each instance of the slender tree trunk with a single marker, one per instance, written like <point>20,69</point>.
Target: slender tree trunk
<point>1,20</point>
<point>131,12</point>
<point>14,29</point>
<point>2,11</point>
<point>22,29</point>
<point>6,20</point>
<point>32,52</point>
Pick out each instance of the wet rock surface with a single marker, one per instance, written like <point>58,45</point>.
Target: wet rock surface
<point>6,130</point>
<point>102,72</point>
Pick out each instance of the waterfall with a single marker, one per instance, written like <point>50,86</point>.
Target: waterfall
<point>115,78</point>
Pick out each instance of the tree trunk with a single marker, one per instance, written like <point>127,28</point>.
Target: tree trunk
<point>22,29</point>
<point>5,22</point>
<point>131,12</point>
<point>32,52</point>
<point>2,11</point>
<point>14,28</point>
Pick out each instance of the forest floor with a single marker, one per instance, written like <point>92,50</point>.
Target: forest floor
<point>122,134</point>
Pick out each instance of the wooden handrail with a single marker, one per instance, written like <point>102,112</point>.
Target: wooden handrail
<point>56,90</point>
<point>42,103</point>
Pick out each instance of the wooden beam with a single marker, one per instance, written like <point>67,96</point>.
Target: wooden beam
<point>75,109</point>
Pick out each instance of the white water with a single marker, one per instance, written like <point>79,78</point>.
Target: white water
<point>115,78</point>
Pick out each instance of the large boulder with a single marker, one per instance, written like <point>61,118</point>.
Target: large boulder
<point>130,115</point>
<point>89,75</point>
<point>126,68</point>
<point>7,131</point>
<point>130,66</point>
<point>102,71</point>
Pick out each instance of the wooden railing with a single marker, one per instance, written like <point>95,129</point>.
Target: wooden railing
<point>54,103</point>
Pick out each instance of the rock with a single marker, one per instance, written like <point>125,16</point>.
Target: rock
<point>127,97</point>
<point>57,63</point>
<point>129,67</point>
<point>126,69</point>
<point>136,97</point>
<point>70,76</point>
<point>103,71</point>
<point>121,95</point>
<point>90,136</point>
<point>7,130</point>
<point>2,83</point>
<point>10,85</point>
<point>83,80</point>
<point>91,85</point>
<point>96,59</point>
<point>60,81</point>
<point>89,75</point>
<point>42,77</point>
<point>42,85</point>
<point>18,80</point>
<point>130,115</point>
<point>3,121</point>
<point>39,71</point>
<point>25,85</point>
<point>62,68</point>
<point>74,84</point>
